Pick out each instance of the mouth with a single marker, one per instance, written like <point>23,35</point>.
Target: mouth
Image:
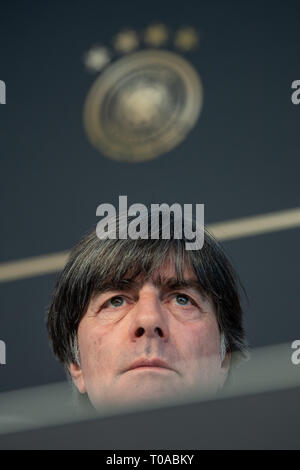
<point>150,364</point>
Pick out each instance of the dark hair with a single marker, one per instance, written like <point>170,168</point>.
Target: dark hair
<point>94,264</point>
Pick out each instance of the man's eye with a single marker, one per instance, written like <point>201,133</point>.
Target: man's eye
<point>182,299</point>
<point>115,302</point>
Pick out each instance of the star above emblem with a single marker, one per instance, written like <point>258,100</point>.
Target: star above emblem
<point>126,41</point>
<point>186,38</point>
<point>97,58</point>
<point>156,35</point>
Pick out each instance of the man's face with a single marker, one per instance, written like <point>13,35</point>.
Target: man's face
<point>153,339</point>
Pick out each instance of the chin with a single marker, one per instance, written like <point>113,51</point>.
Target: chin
<point>144,394</point>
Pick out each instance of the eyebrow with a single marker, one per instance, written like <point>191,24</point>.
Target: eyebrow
<point>175,283</point>
<point>167,284</point>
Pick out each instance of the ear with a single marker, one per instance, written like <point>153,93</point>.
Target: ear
<point>225,369</point>
<point>77,377</point>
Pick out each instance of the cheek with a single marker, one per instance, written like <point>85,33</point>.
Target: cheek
<point>90,340</point>
<point>203,340</point>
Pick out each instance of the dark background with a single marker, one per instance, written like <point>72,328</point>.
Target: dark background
<point>241,159</point>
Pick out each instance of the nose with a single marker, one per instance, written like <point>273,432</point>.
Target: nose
<point>148,316</point>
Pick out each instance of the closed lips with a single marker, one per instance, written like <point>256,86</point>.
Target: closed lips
<point>149,363</point>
